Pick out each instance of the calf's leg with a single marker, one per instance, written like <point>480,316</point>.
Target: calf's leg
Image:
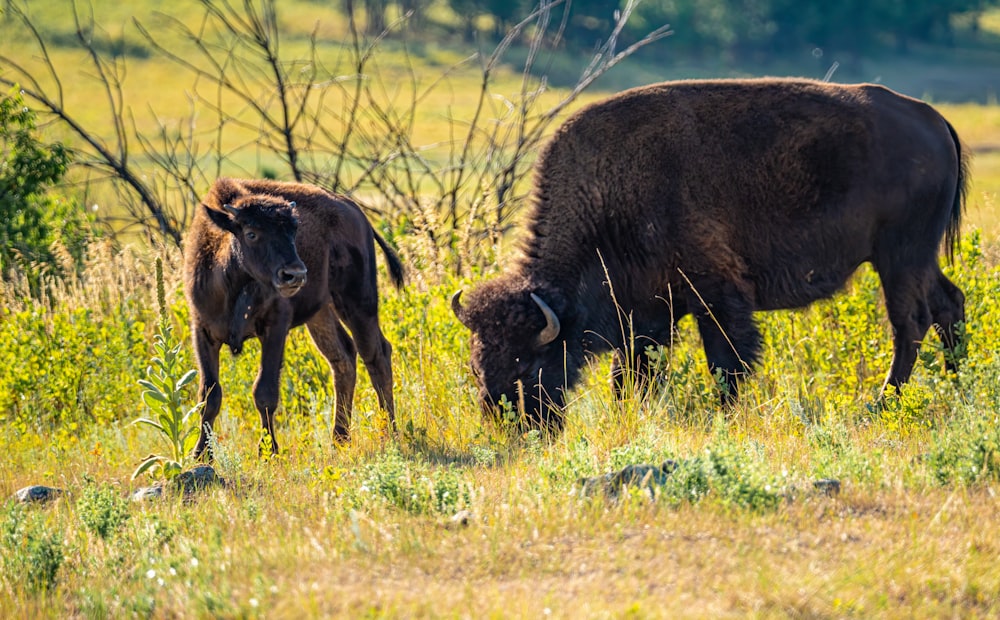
<point>338,348</point>
<point>376,353</point>
<point>209,390</point>
<point>266,389</point>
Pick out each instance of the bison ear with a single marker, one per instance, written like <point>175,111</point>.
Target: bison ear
<point>222,219</point>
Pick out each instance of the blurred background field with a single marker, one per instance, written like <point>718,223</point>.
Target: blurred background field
<point>947,55</point>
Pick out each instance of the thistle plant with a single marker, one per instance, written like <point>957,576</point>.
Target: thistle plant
<point>164,394</point>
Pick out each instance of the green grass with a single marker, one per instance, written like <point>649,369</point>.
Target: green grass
<point>365,529</point>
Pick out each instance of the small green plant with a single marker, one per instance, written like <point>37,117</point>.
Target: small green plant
<point>164,394</point>
<point>484,456</point>
<point>724,474</point>
<point>967,451</point>
<point>32,553</point>
<point>411,487</point>
<point>564,467</point>
<point>904,411</point>
<point>102,509</point>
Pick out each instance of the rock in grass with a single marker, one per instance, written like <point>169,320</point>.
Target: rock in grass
<point>188,482</point>
<point>648,477</point>
<point>148,493</point>
<point>642,476</point>
<point>198,478</point>
<point>460,519</point>
<point>37,494</point>
<point>827,486</point>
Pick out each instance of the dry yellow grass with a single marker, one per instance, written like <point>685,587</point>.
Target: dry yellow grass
<point>282,549</point>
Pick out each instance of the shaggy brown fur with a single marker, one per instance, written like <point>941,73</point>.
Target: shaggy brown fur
<point>244,278</point>
<point>720,198</point>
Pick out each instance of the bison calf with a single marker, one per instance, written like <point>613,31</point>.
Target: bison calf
<point>718,198</point>
<point>264,256</point>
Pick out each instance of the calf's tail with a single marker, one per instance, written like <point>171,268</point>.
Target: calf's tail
<point>396,271</point>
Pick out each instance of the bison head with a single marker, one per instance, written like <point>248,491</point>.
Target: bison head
<point>263,229</point>
<point>519,352</point>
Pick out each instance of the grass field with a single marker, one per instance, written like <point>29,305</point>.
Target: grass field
<point>369,529</point>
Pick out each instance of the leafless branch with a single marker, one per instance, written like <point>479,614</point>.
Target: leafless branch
<point>94,153</point>
<point>350,128</point>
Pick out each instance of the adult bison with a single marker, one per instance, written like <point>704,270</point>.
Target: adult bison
<point>264,256</point>
<point>718,198</point>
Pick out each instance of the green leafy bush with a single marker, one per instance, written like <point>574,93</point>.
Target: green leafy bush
<point>102,508</point>
<point>967,451</point>
<point>31,219</point>
<point>413,486</point>
<point>722,473</point>
<point>59,363</point>
<point>32,553</point>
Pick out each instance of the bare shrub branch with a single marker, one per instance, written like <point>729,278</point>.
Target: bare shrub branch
<point>351,127</point>
<point>95,153</point>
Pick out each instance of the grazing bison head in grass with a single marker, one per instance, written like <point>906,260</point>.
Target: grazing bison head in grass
<point>263,229</point>
<point>519,351</point>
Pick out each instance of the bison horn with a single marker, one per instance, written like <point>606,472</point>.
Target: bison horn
<point>230,209</point>
<point>551,330</point>
<point>456,305</point>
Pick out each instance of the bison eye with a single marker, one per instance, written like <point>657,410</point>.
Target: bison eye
<point>251,235</point>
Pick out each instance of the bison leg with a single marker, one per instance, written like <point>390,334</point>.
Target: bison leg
<point>376,353</point>
<point>338,348</point>
<point>947,310</point>
<point>906,301</point>
<point>209,390</point>
<point>728,333</point>
<point>266,389</point>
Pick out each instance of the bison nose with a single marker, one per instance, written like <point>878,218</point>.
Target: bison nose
<point>292,275</point>
<point>291,279</point>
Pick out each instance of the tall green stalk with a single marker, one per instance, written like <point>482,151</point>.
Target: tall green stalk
<point>163,393</point>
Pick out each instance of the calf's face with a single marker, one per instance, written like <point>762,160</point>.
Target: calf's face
<point>264,229</point>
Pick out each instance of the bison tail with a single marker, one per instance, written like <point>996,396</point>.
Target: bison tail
<point>952,233</point>
<point>395,266</point>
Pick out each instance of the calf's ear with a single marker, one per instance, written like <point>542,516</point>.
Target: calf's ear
<point>222,219</point>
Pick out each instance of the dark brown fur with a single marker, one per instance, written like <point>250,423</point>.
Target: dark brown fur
<point>237,284</point>
<point>720,198</point>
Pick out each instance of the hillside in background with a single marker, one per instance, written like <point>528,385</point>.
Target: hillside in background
<point>944,51</point>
